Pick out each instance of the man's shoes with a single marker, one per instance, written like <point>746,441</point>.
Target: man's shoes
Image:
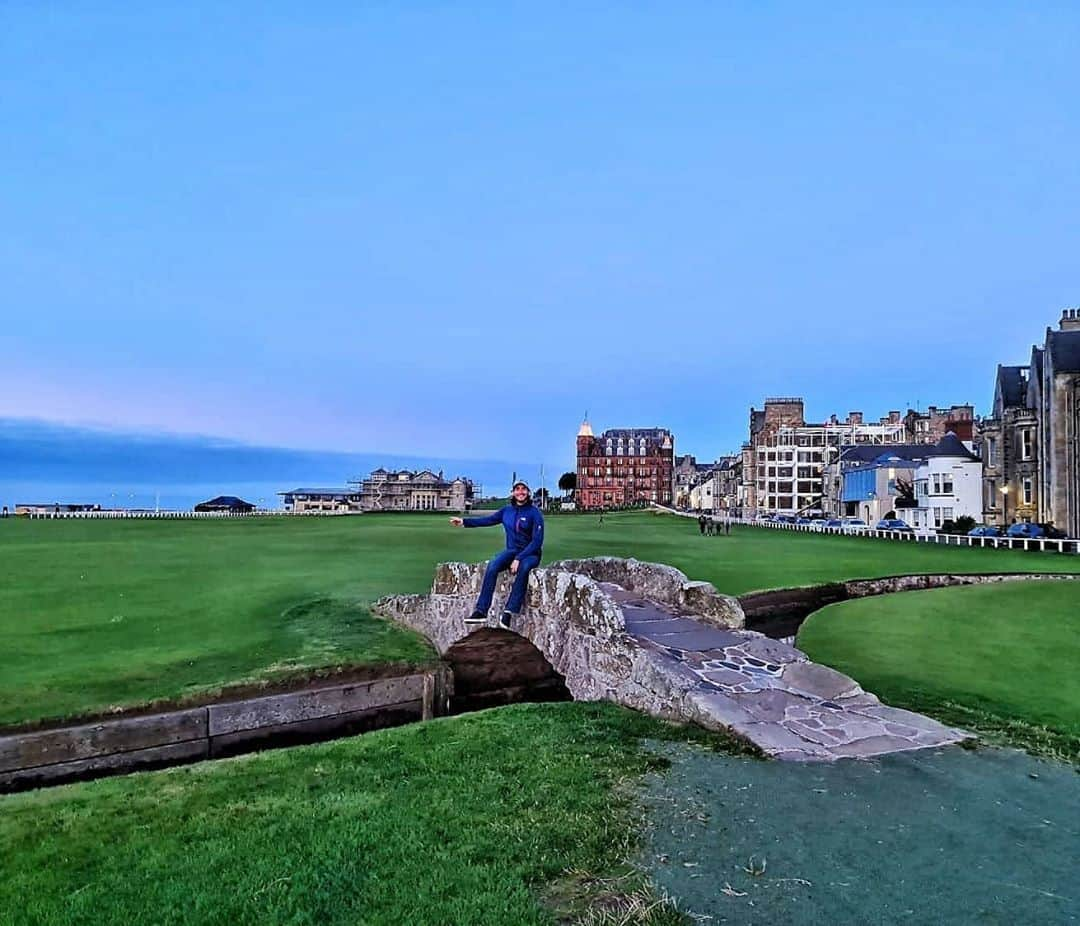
<point>505,618</point>
<point>477,617</point>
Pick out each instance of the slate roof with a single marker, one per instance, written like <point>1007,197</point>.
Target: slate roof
<point>1013,385</point>
<point>224,501</point>
<point>870,453</point>
<point>1064,350</point>
<point>951,446</point>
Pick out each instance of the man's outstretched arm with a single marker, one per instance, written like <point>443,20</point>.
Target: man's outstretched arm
<point>486,521</point>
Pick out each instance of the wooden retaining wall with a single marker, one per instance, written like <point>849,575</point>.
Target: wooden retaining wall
<point>90,750</point>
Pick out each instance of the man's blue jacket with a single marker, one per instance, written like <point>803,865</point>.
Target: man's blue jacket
<point>524,526</point>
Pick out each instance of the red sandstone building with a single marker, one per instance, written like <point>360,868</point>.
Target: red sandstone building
<point>624,466</point>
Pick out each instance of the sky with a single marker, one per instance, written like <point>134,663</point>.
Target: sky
<point>449,230</point>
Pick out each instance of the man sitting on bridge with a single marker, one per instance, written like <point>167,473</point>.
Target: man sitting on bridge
<point>524,526</point>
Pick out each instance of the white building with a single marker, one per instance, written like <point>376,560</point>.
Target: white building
<point>948,485</point>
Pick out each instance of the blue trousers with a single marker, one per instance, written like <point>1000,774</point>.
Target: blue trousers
<point>517,594</point>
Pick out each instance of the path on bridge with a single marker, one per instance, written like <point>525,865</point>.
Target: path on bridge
<point>772,694</point>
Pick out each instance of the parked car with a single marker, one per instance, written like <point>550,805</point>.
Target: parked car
<point>829,523</point>
<point>803,521</point>
<point>853,525</point>
<point>893,524</point>
<point>985,530</point>
<point>1053,533</point>
<point>1025,530</point>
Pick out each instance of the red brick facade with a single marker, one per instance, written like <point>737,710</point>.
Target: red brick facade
<point>624,466</point>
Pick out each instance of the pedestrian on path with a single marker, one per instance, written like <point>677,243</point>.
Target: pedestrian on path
<point>701,524</point>
<point>524,526</point>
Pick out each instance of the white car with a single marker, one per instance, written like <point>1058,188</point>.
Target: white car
<point>853,526</point>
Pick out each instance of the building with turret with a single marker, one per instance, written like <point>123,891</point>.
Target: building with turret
<point>624,466</point>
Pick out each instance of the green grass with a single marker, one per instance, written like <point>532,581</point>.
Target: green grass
<point>997,659</point>
<point>96,614</point>
<point>470,819</point>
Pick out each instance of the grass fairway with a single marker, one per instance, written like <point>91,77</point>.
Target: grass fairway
<point>462,820</point>
<point>96,614</point>
<point>999,659</point>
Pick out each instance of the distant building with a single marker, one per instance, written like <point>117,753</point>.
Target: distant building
<point>405,490</point>
<point>783,462</point>
<point>1031,442</point>
<point>624,466</point>
<point>875,482</point>
<point>948,485</point>
<point>931,426</point>
<point>229,503</point>
<point>28,508</point>
<point>330,500</point>
<point>898,461</point>
<point>717,487</point>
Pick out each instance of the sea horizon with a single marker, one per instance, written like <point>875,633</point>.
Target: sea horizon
<point>43,463</point>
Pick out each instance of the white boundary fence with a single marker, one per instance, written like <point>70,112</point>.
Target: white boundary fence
<point>1069,545</point>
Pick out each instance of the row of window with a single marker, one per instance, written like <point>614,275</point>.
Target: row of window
<point>620,471</point>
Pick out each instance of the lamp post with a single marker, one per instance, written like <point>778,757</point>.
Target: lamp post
<point>1005,505</point>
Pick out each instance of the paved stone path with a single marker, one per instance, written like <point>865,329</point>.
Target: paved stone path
<point>772,694</point>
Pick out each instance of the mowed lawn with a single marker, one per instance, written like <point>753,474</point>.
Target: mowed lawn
<point>507,816</point>
<point>1000,659</point>
<point>98,614</point>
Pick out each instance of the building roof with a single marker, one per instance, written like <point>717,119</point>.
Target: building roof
<point>951,446</point>
<point>1064,350</point>
<point>1012,382</point>
<point>636,434</point>
<point>585,430</point>
<point>338,491</point>
<point>227,501</point>
<point>871,453</point>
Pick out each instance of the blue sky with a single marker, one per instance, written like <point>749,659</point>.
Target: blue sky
<point>448,229</point>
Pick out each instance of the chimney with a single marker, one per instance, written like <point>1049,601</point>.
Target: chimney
<point>894,417</point>
<point>854,418</point>
<point>1070,319</point>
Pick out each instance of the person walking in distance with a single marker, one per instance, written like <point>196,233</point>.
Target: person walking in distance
<point>524,526</point>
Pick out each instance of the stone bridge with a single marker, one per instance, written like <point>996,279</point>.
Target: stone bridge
<point>645,636</point>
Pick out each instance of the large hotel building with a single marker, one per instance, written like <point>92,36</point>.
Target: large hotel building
<point>624,466</point>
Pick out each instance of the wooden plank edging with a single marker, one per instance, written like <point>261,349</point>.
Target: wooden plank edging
<point>112,746</point>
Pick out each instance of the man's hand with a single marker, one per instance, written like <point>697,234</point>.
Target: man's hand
<point>514,567</point>
<point>457,522</point>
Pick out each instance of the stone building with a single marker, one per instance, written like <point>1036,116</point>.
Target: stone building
<point>405,490</point>
<point>931,426</point>
<point>624,466</point>
<point>716,489</point>
<point>1031,442</point>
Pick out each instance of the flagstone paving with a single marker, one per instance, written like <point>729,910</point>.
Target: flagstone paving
<point>771,693</point>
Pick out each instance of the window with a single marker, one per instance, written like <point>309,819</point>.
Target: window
<point>937,517</point>
<point>991,451</point>
<point>1029,494</point>
<point>1025,444</point>
<point>937,483</point>
<point>946,484</point>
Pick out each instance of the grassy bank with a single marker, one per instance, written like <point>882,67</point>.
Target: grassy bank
<point>101,613</point>
<point>998,659</point>
<point>507,816</point>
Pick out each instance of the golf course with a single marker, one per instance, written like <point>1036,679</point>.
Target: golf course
<point>551,813</point>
